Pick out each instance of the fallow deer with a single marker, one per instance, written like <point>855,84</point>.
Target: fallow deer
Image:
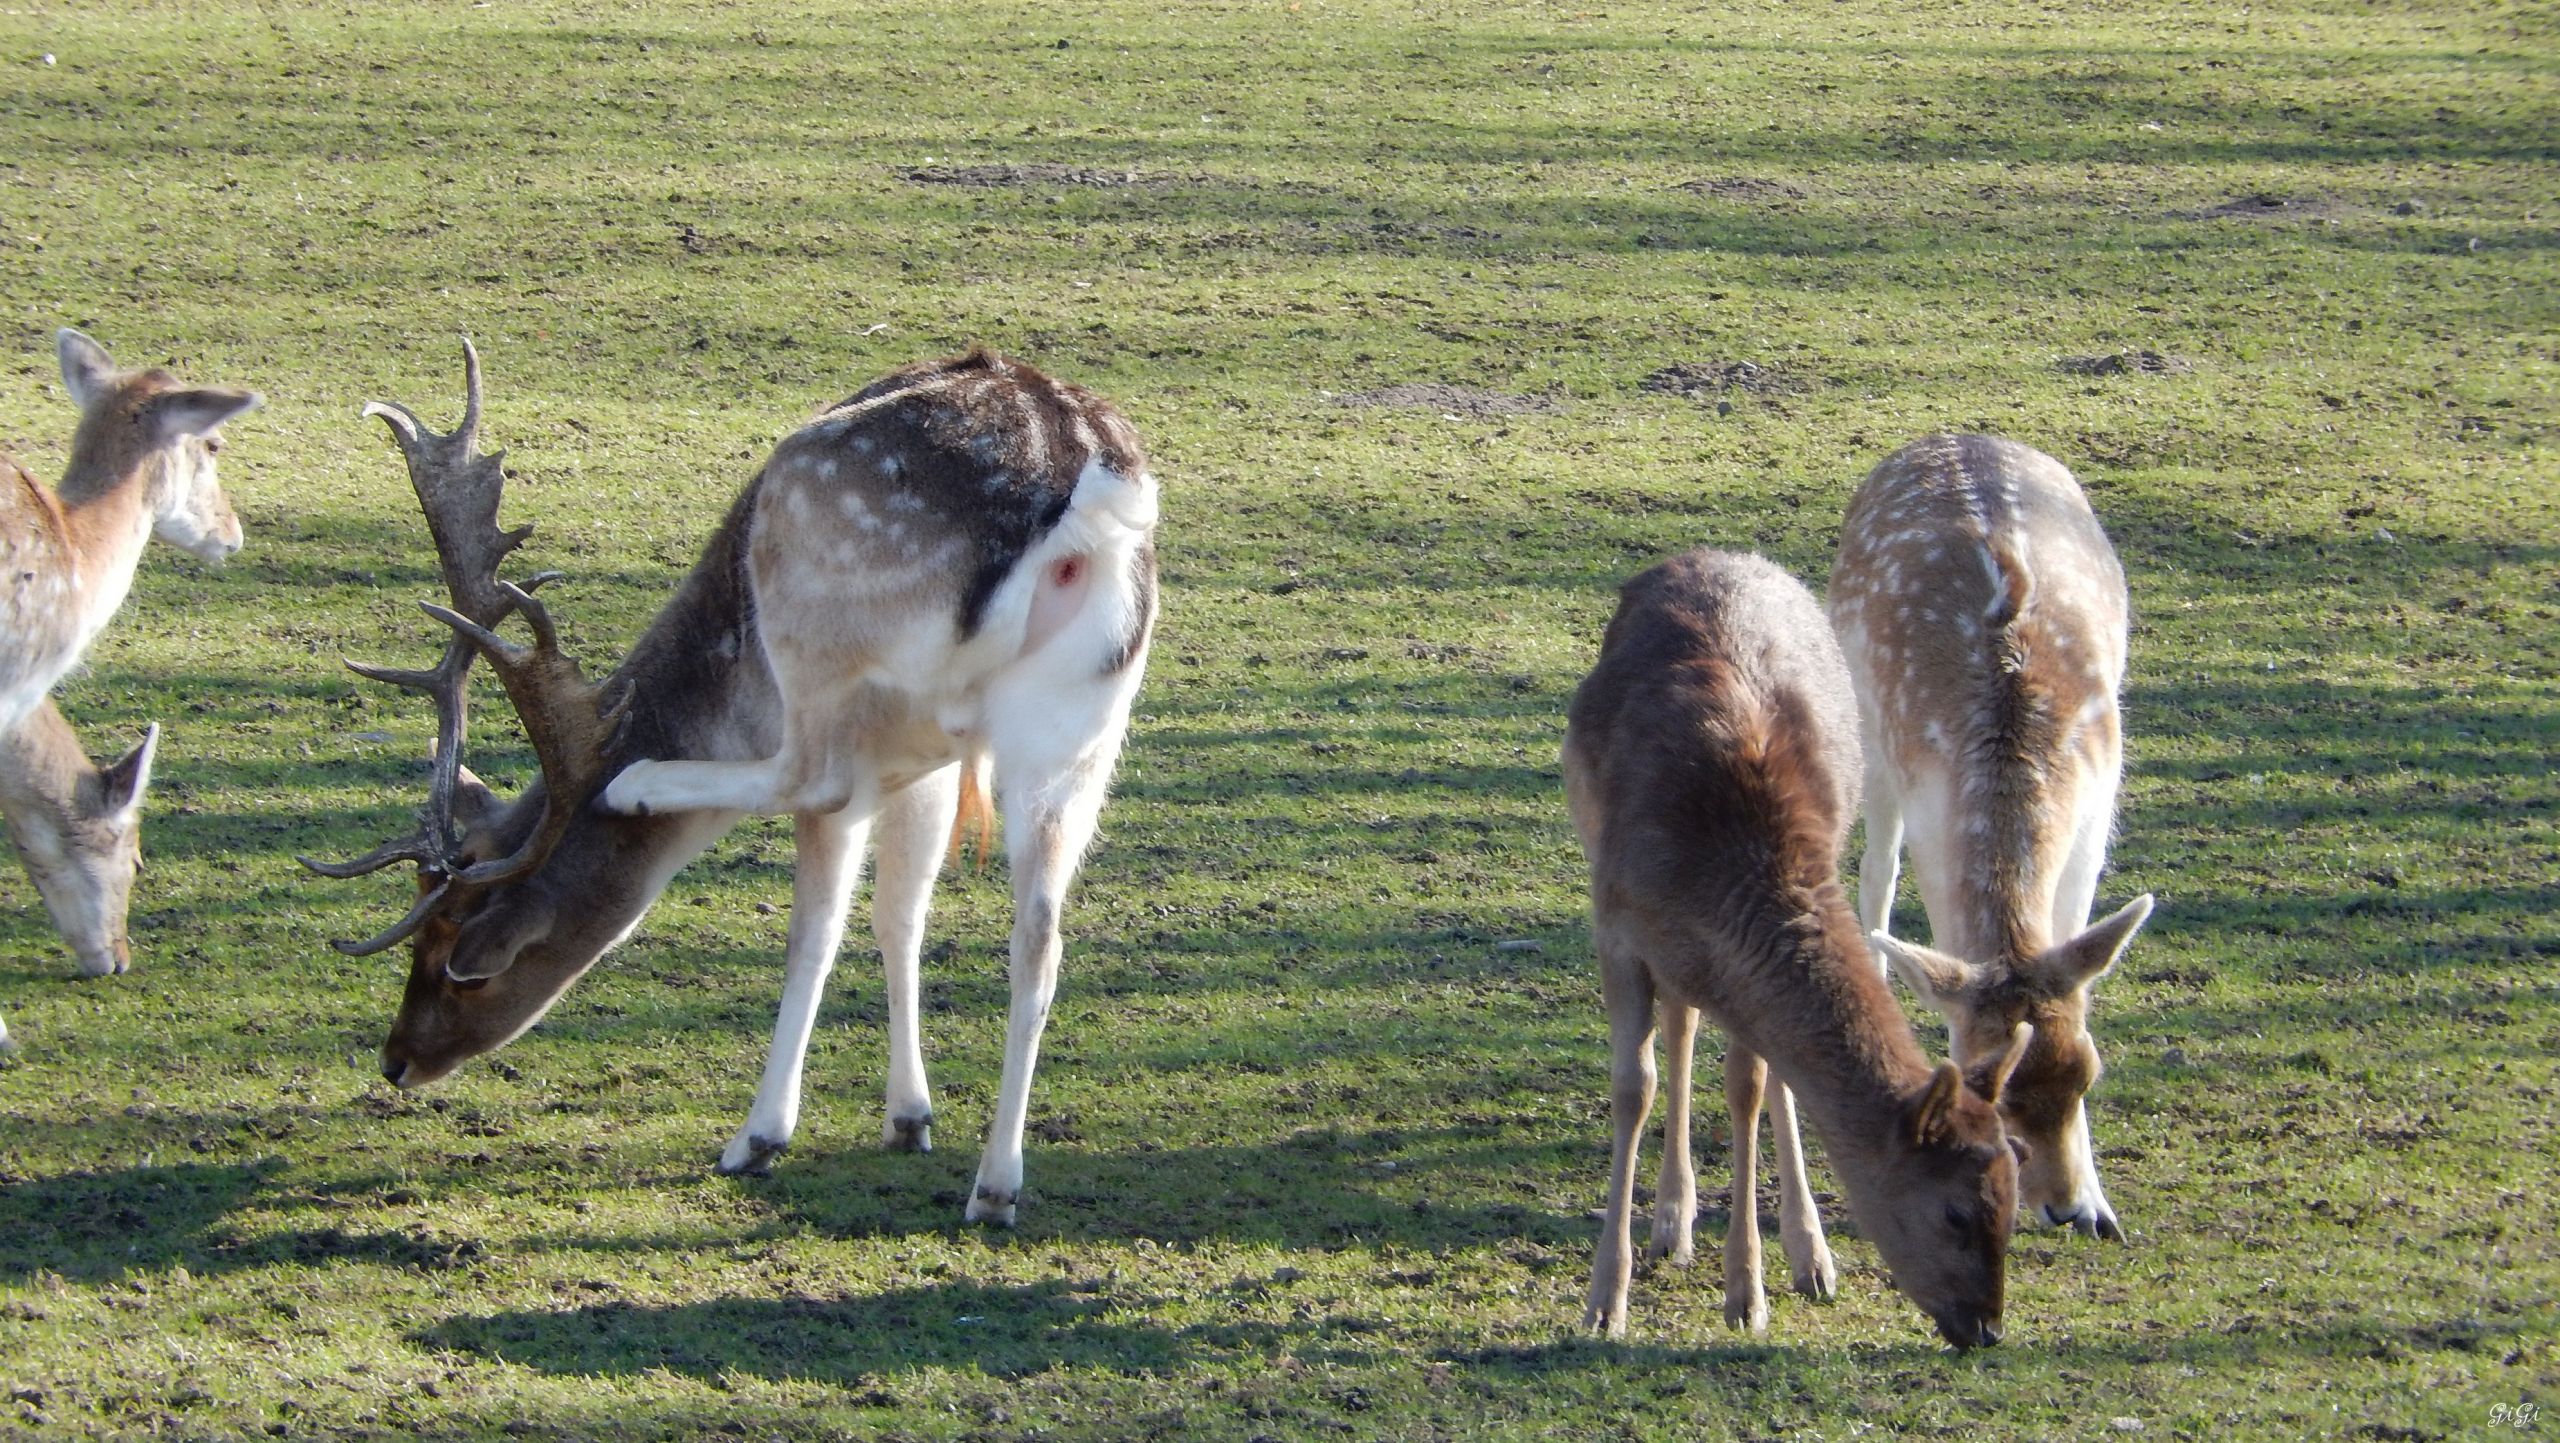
<point>78,830</point>
<point>951,572</point>
<point>142,465</point>
<point>1711,765</point>
<point>1984,617</point>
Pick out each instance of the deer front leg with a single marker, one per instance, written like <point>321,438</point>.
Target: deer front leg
<point>817,769</point>
<point>1675,1195</point>
<point>915,825</point>
<point>1629,997</point>
<point>829,856</point>
<point>1746,1300</point>
<point>1799,1221</point>
<point>1880,870</point>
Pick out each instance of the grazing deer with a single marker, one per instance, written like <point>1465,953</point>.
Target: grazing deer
<point>950,572</point>
<point>142,465</point>
<point>1711,764</point>
<point>1984,618</point>
<point>78,829</point>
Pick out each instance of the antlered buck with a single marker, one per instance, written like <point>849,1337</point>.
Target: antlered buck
<point>951,572</point>
<point>1984,617</point>
<point>141,465</point>
<point>1712,767</point>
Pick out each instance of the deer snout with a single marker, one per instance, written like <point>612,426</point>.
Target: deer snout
<point>1968,1330</point>
<point>107,961</point>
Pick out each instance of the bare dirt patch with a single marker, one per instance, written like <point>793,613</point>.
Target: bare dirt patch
<point>2261,205</point>
<point>983,177</point>
<point>1451,400</point>
<point>1741,187</point>
<point>1707,380</point>
<point>2126,363</point>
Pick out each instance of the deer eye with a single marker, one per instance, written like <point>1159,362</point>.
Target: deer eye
<point>212,444</point>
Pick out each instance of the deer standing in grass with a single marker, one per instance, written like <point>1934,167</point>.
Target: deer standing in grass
<point>142,465</point>
<point>950,573</point>
<point>1711,764</point>
<point>1984,617</point>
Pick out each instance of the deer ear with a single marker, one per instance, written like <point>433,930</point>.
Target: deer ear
<point>473,802</point>
<point>481,957</point>
<point>1936,978</point>
<point>175,415</point>
<point>2086,958</point>
<point>1995,1078</point>
<point>1933,1116</point>
<point>87,369</point>
<point>125,779</point>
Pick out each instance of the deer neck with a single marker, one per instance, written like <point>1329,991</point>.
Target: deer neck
<point>696,684</point>
<point>1831,1031</point>
<point>41,766</point>
<point>106,522</point>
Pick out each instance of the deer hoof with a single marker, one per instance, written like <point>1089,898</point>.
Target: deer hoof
<point>750,1156</point>
<point>627,793</point>
<point>1821,1282</point>
<point>1671,1252</point>
<point>1747,1312</point>
<point>1609,1321</point>
<point>987,1205</point>
<point>908,1134</point>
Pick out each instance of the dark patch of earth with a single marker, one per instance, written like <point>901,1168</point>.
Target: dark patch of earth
<point>2127,363</point>
<point>1701,380</point>
<point>1040,173</point>
<point>1741,187</point>
<point>2259,204</point>
<point>1452,400</point>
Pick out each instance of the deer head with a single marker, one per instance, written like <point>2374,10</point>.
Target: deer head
<point>479,904</point>
<point>130,419</point>
<point>78,829</point>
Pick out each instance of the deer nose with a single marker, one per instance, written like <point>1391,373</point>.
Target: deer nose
<point>393,1070</point>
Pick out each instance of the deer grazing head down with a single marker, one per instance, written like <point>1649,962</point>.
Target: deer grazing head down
<point>78,830</point>
<point>1985,620</point>
<point>946,578</point>
<point>1711,764</point>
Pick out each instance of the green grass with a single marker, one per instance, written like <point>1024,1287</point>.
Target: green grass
<point>1313,1156</point>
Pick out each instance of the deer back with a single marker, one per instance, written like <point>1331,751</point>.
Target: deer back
<point>1985,620</point>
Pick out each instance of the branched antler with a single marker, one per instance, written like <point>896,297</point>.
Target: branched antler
<point>458,490</point>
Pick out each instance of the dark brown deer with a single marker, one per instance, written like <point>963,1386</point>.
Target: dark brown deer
<point>1711,762</point>
<point>950,573</point>
<point>1985,621</point>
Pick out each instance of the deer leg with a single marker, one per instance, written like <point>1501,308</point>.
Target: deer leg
<point>1675,1196</point>
<point>1049,790</point>
<point>1799,1221</point>
<point>1746,1300</point>
<point>914,827</point>
<point>1628,994</point>
<point>815,771</point>
<point>1880,868</point>
<point>829,857</point>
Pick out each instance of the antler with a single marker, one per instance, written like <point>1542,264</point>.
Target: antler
<point>458,490</point>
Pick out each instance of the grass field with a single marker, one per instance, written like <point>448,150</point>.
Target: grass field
<point>1384,285</point>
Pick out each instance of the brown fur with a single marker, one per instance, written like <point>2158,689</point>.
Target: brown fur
<point>1711,765</point>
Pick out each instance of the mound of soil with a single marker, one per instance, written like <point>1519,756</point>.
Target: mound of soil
<point>2127,363</point>
<point>1704,380</point>
<point>1452,400</point>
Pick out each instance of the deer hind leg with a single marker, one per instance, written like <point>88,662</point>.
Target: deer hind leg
<point>915,824</point>
<point>818,769</point>
<point>1054,745</point>
<point>1628,994</point>
<point>829,857</point>
<point>1675,1194</point>
<point>1809,1262</point>
<point>1746,1299</point>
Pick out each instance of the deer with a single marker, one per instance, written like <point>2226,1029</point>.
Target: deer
<point>1985,620</point>
<point>941,587</point>
<point>78,830</point>
<point>1711,768</point>
<point>141,465</point>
